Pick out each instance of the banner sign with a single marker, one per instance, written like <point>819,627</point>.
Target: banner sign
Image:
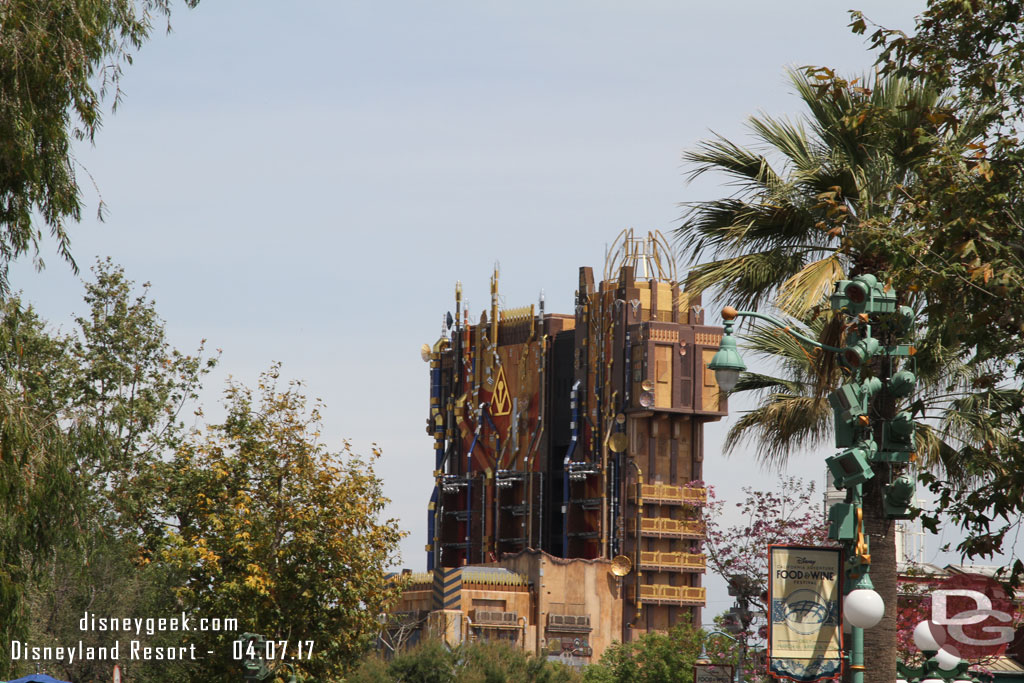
<point>805,623</point>
<point>712,673</point>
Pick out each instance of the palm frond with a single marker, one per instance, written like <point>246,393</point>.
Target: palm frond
<point>753,381</point>
<point>731,226</point>
<point>937,455</point>
<point>791,139</point>
<point>720,155</point>
<point>841,163</point>
<point>782,426</point>
<point>809,287</point>
<point>748,280</point>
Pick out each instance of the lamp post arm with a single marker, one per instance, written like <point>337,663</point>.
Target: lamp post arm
<point>788,329</point>
<point>722,633</point>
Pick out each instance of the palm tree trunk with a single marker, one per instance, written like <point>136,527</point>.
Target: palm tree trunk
<point>880,641</point>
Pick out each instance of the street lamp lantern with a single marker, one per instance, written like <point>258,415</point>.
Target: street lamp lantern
<point>727,363</point>
<point>864,608</point>
<point>928,636</point>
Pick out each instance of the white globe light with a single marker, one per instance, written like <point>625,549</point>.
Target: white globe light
<point>929,636</point>
<point>948,658</point>
<point>901,680</point>
<point>864,607</point>
<point>727,379</point>
<point>933,680</point>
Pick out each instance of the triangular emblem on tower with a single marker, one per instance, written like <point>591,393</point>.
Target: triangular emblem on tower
<point>501,402</point>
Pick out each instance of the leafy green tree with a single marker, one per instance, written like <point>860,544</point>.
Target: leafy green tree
<point>653,658</point>
<point>42,502</point>
<point>101,575</point>
<point>130,387</point>
<point>58,62</point>
<point>430,662</point>
<point>434,662</point>
<point>501,663</point>
<point>965,216</point>
<point>39,505</point>
<point>110,394</point>
<point>273,529</point>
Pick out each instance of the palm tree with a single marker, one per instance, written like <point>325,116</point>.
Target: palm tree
<point>788,233</point>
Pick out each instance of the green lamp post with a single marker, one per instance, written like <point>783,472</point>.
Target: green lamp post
<point>866,302</point>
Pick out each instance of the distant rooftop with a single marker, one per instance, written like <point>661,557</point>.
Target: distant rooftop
<point>498,576</point>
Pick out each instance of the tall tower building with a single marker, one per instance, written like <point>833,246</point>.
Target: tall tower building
<point>577,438</point>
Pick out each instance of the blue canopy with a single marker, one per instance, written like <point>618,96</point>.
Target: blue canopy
<point>37,678</point>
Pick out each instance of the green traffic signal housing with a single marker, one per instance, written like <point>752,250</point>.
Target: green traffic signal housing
<point>862,294</point>
<point>898,433</point>
<point>902,383</point>
<point>899,323</point>
<point>857,354</point>
<point>842,522</point>
<point>898,501</point>
<point>850,407</point>
<point>852,466</point>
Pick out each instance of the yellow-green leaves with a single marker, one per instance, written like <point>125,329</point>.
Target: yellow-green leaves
<point>279,531</point>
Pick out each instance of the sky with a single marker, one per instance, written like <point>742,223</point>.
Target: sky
<point>305,182</point>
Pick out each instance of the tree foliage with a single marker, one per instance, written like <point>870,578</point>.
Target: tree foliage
<point>790,515</point>
<point>129,387</point>
<point>478,662</point>
<point>653,658</point>
<point>58,62</point>
<point>966,218</point>
<point>103,403</point>
<point>277,531</point>
<point>40,504</point>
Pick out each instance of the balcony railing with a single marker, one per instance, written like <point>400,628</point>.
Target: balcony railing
<point>666,494</point>
<point>568,622</point>
<point>672,595</point>
<point>663,527</point>
<point>678,562</point>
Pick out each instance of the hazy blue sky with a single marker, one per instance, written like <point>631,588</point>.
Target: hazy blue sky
<point>305,181</point>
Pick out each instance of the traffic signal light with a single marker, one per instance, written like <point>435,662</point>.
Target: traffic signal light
<point>899,323</point>
<point>855,355</point>
<point>842,522</point>
<point>736,619</point>
<point>898,435</point>
<point>850,409</point>
<point>898,502</point>
<point>862,294</point>
<point>852,466</point>
<point>902,383</point>
<point>253,646</point>
<point>898,432</point>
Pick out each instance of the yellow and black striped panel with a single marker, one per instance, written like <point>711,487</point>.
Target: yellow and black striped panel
<point>447,588</point>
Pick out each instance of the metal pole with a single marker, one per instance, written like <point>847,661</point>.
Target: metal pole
<point>857,655</point>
